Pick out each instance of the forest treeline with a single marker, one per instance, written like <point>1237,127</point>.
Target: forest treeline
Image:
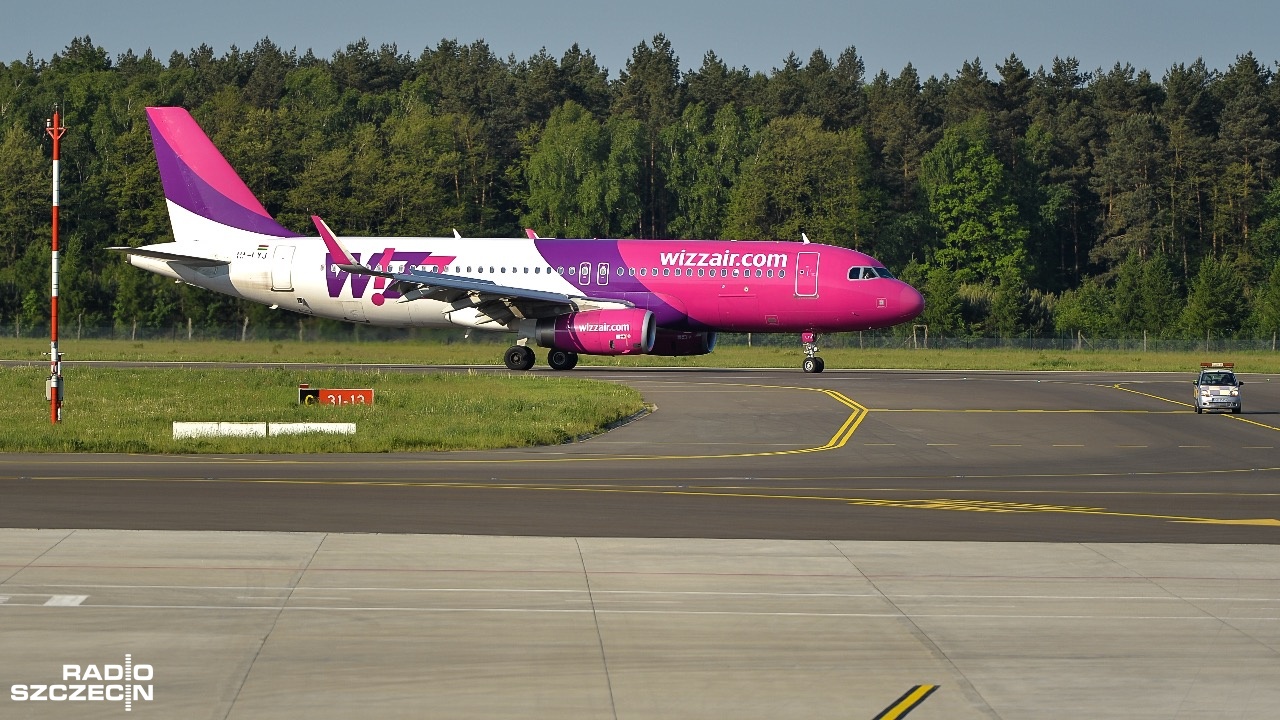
<point>1020,201</point>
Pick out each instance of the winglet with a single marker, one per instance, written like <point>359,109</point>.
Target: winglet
<point>532,235</point>
<point>335,247</point>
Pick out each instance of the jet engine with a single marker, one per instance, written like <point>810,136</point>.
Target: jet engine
<point>628,331</point>
<point>672,343</point>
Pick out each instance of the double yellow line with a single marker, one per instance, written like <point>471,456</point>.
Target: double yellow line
<point>908,702</point>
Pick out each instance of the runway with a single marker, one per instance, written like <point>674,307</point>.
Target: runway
<point>846,455</point>
<point>764,544</point>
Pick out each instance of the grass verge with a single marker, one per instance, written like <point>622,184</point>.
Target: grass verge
<point>132,411</point>
<point>490,353</point>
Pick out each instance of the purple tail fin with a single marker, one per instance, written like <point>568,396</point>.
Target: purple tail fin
<point>197,177</point>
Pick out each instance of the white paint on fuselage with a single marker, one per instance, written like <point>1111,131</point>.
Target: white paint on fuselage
<point>504,261</point>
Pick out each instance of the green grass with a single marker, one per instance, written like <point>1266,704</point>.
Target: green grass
<point>490,353</point>
<point>132,411</point>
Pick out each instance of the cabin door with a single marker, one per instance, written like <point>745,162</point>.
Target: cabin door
<point>282,268</point>
<point>807,274</point>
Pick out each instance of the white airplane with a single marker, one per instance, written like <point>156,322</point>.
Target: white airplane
<point>597,297</point>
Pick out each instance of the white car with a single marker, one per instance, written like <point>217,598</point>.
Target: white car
<point>1217,388</point>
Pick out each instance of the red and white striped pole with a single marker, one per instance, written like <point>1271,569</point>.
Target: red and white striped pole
<point>54,386</point>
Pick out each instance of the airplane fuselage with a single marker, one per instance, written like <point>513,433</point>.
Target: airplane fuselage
<point>747,286</point>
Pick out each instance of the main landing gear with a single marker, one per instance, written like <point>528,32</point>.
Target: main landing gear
<point>519,357</point>
<point>562,359</point>
<point>812,363</point>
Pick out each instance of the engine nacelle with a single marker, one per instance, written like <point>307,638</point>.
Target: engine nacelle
<point>674,343</point>
<point>628,331</point>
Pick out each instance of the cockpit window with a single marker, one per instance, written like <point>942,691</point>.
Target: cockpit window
<point>864,272</point>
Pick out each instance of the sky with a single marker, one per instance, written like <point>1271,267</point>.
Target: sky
<point>935,37</point>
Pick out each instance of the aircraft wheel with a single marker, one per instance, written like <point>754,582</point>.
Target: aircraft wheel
<point>562,359</point>
<point>822,365</point>
<point>812,365</point>
<point>518,357</point>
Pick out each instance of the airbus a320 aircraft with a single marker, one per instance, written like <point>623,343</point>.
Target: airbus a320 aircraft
<point>595,297</point>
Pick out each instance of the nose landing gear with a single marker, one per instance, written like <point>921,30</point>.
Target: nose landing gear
<point>812,363</point>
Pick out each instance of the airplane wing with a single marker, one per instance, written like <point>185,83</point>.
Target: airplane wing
<point>502,303</point>
<point>188,260</point>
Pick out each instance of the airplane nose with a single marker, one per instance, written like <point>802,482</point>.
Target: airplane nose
<point>910,302</point>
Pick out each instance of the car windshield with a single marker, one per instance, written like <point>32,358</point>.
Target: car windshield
<point>1217,379</point>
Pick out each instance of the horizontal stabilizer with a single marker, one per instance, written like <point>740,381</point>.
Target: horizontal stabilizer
<point>188,260</point>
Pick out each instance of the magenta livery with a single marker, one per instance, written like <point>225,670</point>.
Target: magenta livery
<point>597,297</point>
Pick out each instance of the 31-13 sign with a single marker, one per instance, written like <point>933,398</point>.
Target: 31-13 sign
<point>334,396</point>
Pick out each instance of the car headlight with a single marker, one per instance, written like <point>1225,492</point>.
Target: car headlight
<point>1234,392</point>
<point>1204,392</point>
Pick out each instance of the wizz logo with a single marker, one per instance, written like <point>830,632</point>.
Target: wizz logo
<point>387,261</point>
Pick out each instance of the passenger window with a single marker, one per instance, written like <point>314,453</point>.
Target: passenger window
<point>782,273</point>
<point>666,272</point>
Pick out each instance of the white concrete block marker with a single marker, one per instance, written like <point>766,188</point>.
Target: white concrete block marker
<point>183,430</point>
<point>311,427</point>
<point>218,429</point>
